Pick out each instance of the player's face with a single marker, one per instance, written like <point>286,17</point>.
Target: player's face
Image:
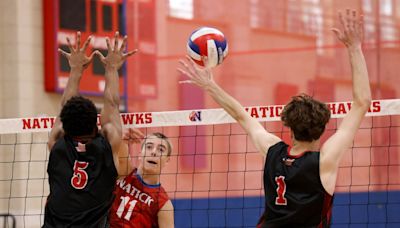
<point>154,154</point>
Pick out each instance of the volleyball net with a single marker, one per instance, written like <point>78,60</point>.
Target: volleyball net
<point>214,176</point>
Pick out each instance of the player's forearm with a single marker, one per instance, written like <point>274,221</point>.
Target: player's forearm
<point>72,88</point>
<point>227,102</point>
<point>361,87</point>
<point>111,91</point>
<point>125,165</point>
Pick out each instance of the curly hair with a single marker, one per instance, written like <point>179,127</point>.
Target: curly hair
<point>306,117</point>
<point>79,116</point>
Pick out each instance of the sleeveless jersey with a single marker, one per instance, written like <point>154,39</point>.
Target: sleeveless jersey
<point>136,203</point>
<point>294,195</point>
<point>82,179</point>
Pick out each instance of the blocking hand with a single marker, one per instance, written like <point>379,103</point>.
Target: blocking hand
<point>116,55</point>
<point>133,135</point>
<point>77,56</point>
<point>352,24</point>
<point>200,76</point>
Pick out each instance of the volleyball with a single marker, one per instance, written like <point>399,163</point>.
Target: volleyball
<point>207,42</point>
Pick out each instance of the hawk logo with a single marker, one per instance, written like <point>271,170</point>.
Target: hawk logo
<point>195,116</point>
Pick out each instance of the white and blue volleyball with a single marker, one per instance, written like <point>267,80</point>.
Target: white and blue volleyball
<point>208,42</point>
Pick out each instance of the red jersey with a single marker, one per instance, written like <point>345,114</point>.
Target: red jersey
<point>136,203</point>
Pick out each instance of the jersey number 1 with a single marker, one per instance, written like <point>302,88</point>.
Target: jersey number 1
<point>79,179</point>
<point>280,191</point>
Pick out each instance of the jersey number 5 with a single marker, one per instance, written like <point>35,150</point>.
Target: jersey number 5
<point>280,191</point>
<point>80,177</point>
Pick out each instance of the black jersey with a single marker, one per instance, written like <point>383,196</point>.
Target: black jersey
<point>82,179</point>
<point>294,195</point>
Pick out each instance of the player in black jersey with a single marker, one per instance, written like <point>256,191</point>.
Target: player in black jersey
<point>299,182</point>
<point>84,164</point>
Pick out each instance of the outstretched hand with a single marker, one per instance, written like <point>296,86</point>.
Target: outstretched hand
<point>197,75</point>
<point>352,24</point>
<point>116,55</point>
<point>133,135</point>
<point>77,56</point>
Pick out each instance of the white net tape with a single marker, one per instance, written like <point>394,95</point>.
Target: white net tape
<point>195,117</point>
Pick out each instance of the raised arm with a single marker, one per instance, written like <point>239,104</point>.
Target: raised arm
<point>78,61</point>
<point>203,78</point>
<point>130,136</point>
<point>110,115</point>
<point>334,148</point>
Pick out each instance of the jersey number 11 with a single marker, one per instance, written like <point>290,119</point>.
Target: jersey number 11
<point>124,201</point>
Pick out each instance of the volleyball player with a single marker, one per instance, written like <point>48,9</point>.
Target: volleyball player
<point>140,200</point>
<point>83,164</point>
<point>299,182</point>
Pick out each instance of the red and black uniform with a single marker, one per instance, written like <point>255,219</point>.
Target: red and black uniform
<point>82,180</point>
<point>136,203</point>
<point>294,195</point>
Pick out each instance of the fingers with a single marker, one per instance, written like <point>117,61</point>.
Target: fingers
<point>194,78</point>
<point>192,67</point>
<point>348,20</point>
<point>354,19</point>
<point>351,22</point>
<point>186,73</point>
<point>361,26</point>
<point>90,59</point>
<point>341,18</point>
<point>100,55</point>
<point>137,134</point>
<point>133,135</point>
<point>64,53</point>
<point>92,55</point>
<point>185,82</point>
<point>192,63</point>
<point>86,44</point>
<point>78,40</point>
<point>184,64</point>
<point>116,53</point>
<point>116,41</point>
<point>183,72</point>
<point>126,134</point>
<point>189,71</point>
<point>130,53</point>
<point>108,45</point>
<point>206,63</point>
<point>71,49</point>
<point>337,33</point>
<point>123,45</point>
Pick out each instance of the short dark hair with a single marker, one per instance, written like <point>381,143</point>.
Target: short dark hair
<point>79,116</point>
<point>161,136</point>
<point>306,117</point>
